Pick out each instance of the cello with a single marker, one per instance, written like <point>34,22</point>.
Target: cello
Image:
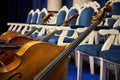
<point>48,59</point>
<point>5,36</point>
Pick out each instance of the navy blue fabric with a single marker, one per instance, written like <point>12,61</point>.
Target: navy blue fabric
<point>102,27</point>
<point>86,16</point>
<point>70,33</point>
<point>111,22</point>
<point>116,9</point>
<point>117,28</point>
<point>35,35</point>
<point>34,18</point>
<point>111,55</point>
<point>76,26</point>
<point>92,49</point>
<point>61,17</point>
<point>53,40</point>
<point>29,17</point>
<point>72,12</point>
<point>40,17</point>
<point>102,2</point>
<point>50,24</point>
<point>68,40</point>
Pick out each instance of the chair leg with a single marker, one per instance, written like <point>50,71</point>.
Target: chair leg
<point>117,71</point>
<point>91,62</point>
<point>76,58</point>
<point>102,69</point>
<point>79,66</point>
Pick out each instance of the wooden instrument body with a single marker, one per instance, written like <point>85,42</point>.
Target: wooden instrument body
<point>5,36</point>
<point>35,56</point>
<point>7,55</point>
<point>20,40</point>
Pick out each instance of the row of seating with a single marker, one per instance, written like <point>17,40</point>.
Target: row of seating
<point>107,51</point>
<point>80,22</point>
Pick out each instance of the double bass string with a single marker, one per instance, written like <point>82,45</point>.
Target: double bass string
<point>51,67</point>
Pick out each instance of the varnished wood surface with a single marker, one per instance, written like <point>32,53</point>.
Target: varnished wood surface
<point>7,35</point>
<point>34,59</point>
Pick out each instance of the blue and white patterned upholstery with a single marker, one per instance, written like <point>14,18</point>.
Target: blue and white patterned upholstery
<point>60,17</point>
<point>39,31</point>
<point>116,9</point>
<point>54,39</point>
<point>95,50</point>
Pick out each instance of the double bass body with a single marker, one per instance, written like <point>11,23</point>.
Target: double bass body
<point>35,56</point>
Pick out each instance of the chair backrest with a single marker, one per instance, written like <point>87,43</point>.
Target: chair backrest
<point>35,16</point>
<point>41,15</point>
<point>86,16</point>
<point>61,15</point>
<point>29,16</point>
<point>37,33</point>
<point>116,9</point>
<point>73,10</point>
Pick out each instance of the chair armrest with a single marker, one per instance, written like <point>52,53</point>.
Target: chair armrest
<point>116,16</point>
<point>110,31</point>
<point>79,30</point>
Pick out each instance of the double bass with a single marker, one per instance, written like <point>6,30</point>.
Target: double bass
<point>45,61</point>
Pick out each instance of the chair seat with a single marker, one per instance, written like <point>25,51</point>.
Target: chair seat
<point>93,49</point>
<point>111,55</point>
<point>53,39</point>
<point>68,40</point>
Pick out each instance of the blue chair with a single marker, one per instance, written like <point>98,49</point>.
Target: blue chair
<point>33,21</point>
<point>43,13</point>
<point>111,56</point>
<point>54,39</point>
<point>39,31</point>
<point>60,17</point>
<point>35,16</point>
<point>93,50</point>
<point>84,20</point>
